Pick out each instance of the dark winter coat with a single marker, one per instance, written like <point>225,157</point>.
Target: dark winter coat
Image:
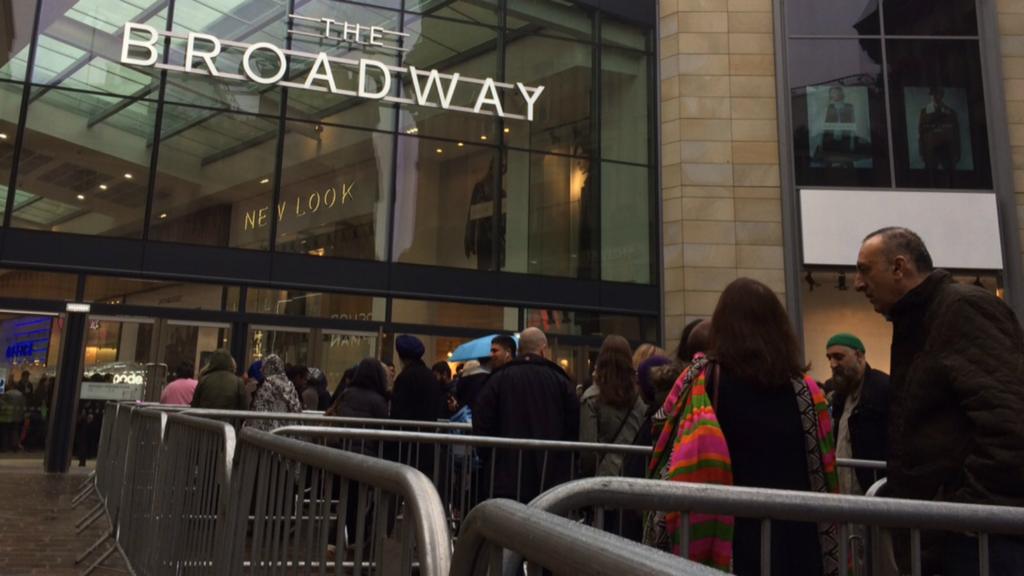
<point>868,423</point>
<point>467,388</point>
<point>219,388</point>
<point>417,394</point>
<point>957,388</point>
<point>356,402</point>
<point>529,397</point>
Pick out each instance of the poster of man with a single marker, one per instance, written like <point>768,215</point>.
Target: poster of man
<point>838,120</point>
<point>938,132</point>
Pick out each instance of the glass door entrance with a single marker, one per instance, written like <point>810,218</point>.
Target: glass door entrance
<point>340,351</point>
<point>30,343</point>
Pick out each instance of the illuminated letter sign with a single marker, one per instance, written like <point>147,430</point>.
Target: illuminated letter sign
<point>431,88</point>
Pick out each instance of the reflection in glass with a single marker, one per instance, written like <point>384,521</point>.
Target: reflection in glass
<point>10,109</point>
<point>444,210</point>
<point>586,323</point>
<point>28,379</point>
<point>215,179</point>
<point>553,215</point>
<point>36,285</point>
<point>625,223</point>
<point>315,304</point>
<point>928,18</point>
<point>341,351</point>
<point>624,108</point>
<point>79,45</point>
<point>159,293</point>
<point>291,344</point>
<point>18,17</point>
<point>82,175</point>
<point>562,115</point>
<point>561,19</point>
<point>449,47</point>
<point>475,11</point>
<point>839,134</point>
<point>833,17</point>
<point>335,192</point>
<point>454,314</point>
<point>938,114</point>
<point>622,35</point>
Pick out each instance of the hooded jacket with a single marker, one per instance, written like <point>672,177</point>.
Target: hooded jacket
<point>276,395</point>
<point>530,397</point>
<point>957,395</point>
<point>219,388</point>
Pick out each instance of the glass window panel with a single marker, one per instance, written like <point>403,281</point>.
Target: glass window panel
<point>929,18</point>
<point>625,223</point>
<point>244,21</point>
<point>562,114</point>
<point>320,104</point>
<point>454,314</point>
<point>550,17</point>
<point>839,129</point>
<point>315,304</point>
<point>445,204</point>
<point>335,192</point>
<point>587,323</point>
<point>35,285</point>
<point>834,17</point>
<point>552,216</point>
<point>160,293</point>
<point>80,175</point>
<point>449,47</point>
<point>215,179</point>
<point>292,345</point>
<point>436,349</point>
<point>622,35</point>
<point>341,351</point>
<point>17,26</point>
<point>938,114</point>
<point>80,45</point>
<point>10,109</point>
<point>625,83</point>
<point>474,11</point>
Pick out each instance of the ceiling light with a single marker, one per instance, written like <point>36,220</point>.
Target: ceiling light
<point>163,215</point>
<point>483,136</point>
<point>460,144</point>
<point>439,150</point>
<point>81,197</point>
<point>507,130</point>
<point>103,186</point>
<point>265,181</point>
<point>413,131</point>
<point>128,175</point>
<point>3,136</point>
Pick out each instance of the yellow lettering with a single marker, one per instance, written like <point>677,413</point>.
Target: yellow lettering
<point>298,207</point>
<point>309,202</point>
<point>262,220</point>
<point>250,221</point>
<point>330,197</point>
<point>280,211</point>
<point>346,192</point>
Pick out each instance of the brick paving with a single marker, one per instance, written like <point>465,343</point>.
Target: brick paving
<point>37,525</point>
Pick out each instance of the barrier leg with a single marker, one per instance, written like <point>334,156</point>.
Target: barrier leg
<point>81,496</point>
<point>91,520</point>
<point>99,561</point>
<point>88,515</point>
<point>88,552</point>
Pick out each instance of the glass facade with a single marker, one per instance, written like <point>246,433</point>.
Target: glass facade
<point>197,139</point>
<point>887,94</point>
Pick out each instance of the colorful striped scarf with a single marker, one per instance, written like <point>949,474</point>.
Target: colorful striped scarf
<point>692,448</point>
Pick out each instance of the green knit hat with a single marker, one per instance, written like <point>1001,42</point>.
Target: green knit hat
<point>848,340</point>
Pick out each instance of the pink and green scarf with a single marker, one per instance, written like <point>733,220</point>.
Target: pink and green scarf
<point>692,448</point>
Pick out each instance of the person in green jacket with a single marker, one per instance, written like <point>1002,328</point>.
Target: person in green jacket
<point>12,418</point>
<point>219,387</point>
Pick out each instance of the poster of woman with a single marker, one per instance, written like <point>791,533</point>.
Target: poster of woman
<point>838,119</point>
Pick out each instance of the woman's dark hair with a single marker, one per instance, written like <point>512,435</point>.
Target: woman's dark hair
<point>684,352</point>
<point>613,372</point>
<point>370,374</point>
<point>346,378</point>
<point>185,369</point>
<point>751,336</point>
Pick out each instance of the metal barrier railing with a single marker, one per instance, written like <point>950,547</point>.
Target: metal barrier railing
<point>237,418</point>
<point>135,522</point>
<point>295,497</point>
<point>499,527</point>
<point>768,505</point>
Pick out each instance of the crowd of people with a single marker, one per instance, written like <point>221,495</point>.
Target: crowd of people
<point>732,405</point>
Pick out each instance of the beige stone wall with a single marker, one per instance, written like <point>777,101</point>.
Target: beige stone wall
<point>1010,19</point>
<point>721,209</point>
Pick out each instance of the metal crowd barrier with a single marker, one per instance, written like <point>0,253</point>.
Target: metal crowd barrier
<point>768,505</point>
<point>237,418</point>
<point>548,542</point>
<point>135,522</point>
<point>296,498</point>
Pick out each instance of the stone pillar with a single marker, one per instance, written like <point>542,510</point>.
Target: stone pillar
<point>721,209</point>
<point>1010,19</point>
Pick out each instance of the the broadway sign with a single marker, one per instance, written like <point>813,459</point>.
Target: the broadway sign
<point>430,88</point>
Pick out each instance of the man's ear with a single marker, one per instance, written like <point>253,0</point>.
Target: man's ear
<point>899,266</point>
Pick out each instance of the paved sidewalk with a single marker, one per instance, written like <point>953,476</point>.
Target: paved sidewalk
<point>37,525</point>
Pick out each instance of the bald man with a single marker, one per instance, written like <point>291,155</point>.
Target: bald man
<point>530,397</point>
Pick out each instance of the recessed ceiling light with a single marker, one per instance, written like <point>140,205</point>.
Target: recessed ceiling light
<point>128,175</point>
<point>460,144</point>
<point>3,136</point>
<point>163,215</point>
<point>103,186</point>
<point>412,131</point>
<point>439,150</point>
<point>483,136</point>
<point>265,181</point>
<point>507,130</point>
<point>81,197</point>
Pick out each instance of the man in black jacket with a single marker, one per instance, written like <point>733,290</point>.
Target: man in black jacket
<point>416,397</point>
<point>530,397</point>
<point>955,428</point>
<point>860,410</point>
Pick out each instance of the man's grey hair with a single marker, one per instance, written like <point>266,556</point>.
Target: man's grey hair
<point>899,241</point>
<point>532,341</point>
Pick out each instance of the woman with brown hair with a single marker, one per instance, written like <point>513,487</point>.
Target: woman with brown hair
<point>747,415</point>
<point>611,410</point>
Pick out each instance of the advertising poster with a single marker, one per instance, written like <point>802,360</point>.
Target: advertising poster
<point>839,122</point>
<point>938,129</point>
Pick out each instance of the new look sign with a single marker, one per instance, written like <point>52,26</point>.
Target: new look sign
<point>267,64</point>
